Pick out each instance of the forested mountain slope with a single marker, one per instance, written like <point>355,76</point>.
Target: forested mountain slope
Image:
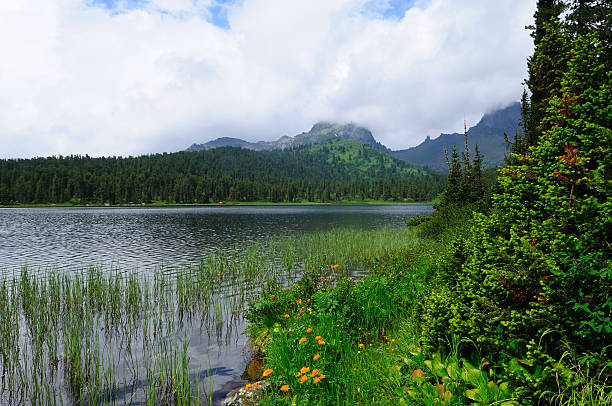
<point>330,171</point>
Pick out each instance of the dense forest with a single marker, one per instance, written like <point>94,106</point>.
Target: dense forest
<point>331,171</point>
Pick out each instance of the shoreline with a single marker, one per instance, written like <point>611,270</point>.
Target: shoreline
<point>224,204</point>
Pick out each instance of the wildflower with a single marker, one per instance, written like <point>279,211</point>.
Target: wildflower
<point>286,316</point>
<point>309,330</point>
<point>307,300</point>
<point>316,380</point>
<point>322,376</point>
<point>334,266</point>
<point>298,374</point>
<point>303,340</point>
<point>267,372</point>
<point>316,357</point>
<point>315,372</point>
<point>361,345</point>
<point>256,384</point>
<point>248,386</point>
<point>303,378</point>
<point>302,308</point>
<point>299,301</point>
<point>321,342</point>
<point>304,370</point>
<point>317,337</point>
<point>358,352</point>
<point>284,388</point>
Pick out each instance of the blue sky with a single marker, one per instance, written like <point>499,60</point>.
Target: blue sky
<point>217,12</point>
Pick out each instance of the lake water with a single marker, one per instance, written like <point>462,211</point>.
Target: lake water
<point>147,238</point>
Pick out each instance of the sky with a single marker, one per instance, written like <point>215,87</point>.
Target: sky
<point>132,77</point>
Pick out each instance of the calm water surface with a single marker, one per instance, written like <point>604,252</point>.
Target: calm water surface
<point>147,238</point>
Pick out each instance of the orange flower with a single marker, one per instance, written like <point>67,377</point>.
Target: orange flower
<point>334,266</point>
<point>309,330</point>
<point>298,301</point>
<point>248,386</point>
<point>321,342</point>
<point>298,374</point>
<point>267,372</point>
<point>256,384</point>
<point>304,370</point>
<point>307,300</point>
<point>315,372</point>
<point>286,316</point>
<point>317,337</point>
<point>361,345</point>
<point>302,308</point>
<point>285,388</point>
<point>303,340</point>
<point>322,376</point>
<point>316,380</point>
<point>316,357</point>
<point>303,378</point>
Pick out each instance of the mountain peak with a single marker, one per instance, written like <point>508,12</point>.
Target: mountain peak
<point>320,132</point>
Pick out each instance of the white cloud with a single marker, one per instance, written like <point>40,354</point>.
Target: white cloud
<point>78,79</point>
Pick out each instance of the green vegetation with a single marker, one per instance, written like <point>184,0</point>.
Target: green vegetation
<point>332,171</point>
<point>511,301</point>
<point>106,337</point>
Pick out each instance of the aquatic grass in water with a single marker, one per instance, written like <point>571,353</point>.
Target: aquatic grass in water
<point>106,337</point>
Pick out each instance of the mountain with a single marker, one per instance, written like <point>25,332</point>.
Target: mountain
<point>319,132</point>
<point>488,134</point>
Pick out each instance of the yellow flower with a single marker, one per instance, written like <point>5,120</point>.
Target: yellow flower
<point>267,372</point>
<point>303,378</point>
<point>361,345</point>
<point>304,370</point>
<point>284,388</point>
<point>303,340</point>
<point>315,372</point>
<point>316,380</point>
<point>317,337</point>
<point>248,386</point>
<point>316,357</point>
<point>309,330</point>
<point>321,342</point>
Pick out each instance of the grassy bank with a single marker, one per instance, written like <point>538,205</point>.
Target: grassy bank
<point>376,341</point>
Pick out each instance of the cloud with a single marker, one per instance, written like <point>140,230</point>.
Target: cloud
<point>127,78</point>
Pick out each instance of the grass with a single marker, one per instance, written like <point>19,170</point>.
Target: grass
<point>104,337</point>
<point>372,335</point>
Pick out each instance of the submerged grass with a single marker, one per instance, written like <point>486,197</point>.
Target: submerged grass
<point>105,337</point>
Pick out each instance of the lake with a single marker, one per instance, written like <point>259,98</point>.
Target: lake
<point>145,238</point>
<point>142,241</point>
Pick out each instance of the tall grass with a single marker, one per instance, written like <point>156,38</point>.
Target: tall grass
<point>99,336</point>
